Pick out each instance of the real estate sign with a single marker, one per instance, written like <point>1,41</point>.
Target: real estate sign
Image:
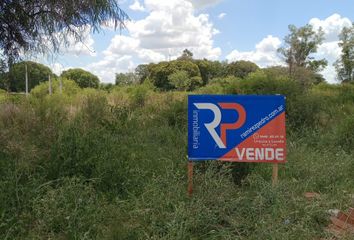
<point>241,128</point>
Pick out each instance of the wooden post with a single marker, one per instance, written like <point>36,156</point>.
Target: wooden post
<point>275,174</point>
<point>26,79</point>
<point>190,178</point>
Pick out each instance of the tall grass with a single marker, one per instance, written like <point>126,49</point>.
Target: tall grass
<point>99,165</point>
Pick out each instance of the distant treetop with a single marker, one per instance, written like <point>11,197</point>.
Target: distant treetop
<point>83,78</point>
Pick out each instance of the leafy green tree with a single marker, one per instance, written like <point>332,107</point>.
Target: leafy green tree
<point>300,43</point>
<point>241,68</point>
<point>345,65</point>
<point>305,77</point>
<point>180,80</point>
<point>3,76</point>
<point>37,73</point>
<point>106,86</point>
<point>210,69</point>
<point>32,25</point>
<point>126,78</point>
<point>83,78</point>
<point>142,71</point>
<point>159,73</point>
<point>186,55</point>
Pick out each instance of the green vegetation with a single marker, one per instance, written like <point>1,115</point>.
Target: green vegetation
<point>14,79</point>
<point>299,46</point>
<point>38,27</point>
<point>83,78</point>
<point>345,64</point>
<point>92,164</point>
<point>98,161</point>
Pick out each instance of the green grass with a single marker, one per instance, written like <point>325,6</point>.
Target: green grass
<point>98,165</point>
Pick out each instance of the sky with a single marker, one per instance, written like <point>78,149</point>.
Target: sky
<point>224,30</point>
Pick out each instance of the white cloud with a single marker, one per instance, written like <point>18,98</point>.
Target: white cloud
<point>82,47</point>
<point>67,43</point>
<point>136,6</point>
<point>329,49</point>
<point>264,55</point>
<point>147,55</point>
<point>332,26</point>
<point>172,26</point>
<point>57,68</point>
<point>109,66</point>
<point>168,29</point>
<point>221,15</point>
<point>200,4</point>
<point>122,45</point>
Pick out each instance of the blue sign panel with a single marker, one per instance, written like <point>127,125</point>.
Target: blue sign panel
<point>244,128</point>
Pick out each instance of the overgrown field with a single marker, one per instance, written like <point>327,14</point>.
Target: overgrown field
<point>92,164</point>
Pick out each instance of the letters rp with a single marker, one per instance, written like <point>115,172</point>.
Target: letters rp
<point>221,142</point>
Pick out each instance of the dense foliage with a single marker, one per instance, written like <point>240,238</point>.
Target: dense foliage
<point>241,68</point>
<point>345,64</point>
<point>45,25</point>
<point>299,46</point>
<point>91,164</point>
<point>14,79</point>
<point>98,161</point>
<point>159,74</point>
<point>83,78</point>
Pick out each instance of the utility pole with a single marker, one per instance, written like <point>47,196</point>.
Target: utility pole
<point>26,77</point>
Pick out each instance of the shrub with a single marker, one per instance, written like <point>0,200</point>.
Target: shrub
<point>345,136</point>
<point>69,88</point>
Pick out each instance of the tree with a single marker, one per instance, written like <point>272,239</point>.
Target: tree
<point>3,76</point>
<point>186,55</point>
<point>32,25</point>
<point>345,65</point>
<point>159,73</point>
<point>142,71</point>
<point>299,45</point>
<point>303,76</point>
<point>83,78</point>
<point>180,80</point>
<point>37,73</point>
<point>126,78</point>
<point>210,69</point>
<point>241,68</point>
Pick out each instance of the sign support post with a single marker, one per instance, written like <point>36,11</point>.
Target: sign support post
<point>190,178</point>
<point>275,174</point>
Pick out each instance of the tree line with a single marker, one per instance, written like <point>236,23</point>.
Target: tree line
<point>186,73</point>
<point>297,52</point>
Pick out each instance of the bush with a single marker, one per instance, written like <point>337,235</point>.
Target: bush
<point>176,114</point>
<point>69,88</point>
<point>261,83</point>
<point>345,136</point>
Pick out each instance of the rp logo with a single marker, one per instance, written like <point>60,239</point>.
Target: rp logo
<point>221,142</point>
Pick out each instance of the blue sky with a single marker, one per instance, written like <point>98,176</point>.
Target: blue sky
<point>215,29</point>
